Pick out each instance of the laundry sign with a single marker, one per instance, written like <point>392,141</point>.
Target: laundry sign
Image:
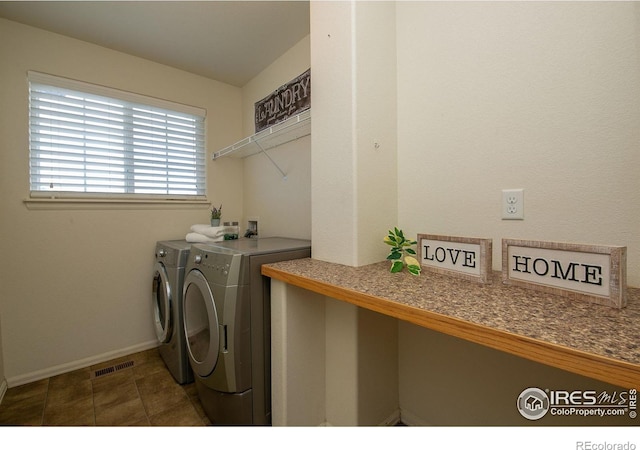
<point>589,272</point>
<point>286,101</point>
<point>462,257</point>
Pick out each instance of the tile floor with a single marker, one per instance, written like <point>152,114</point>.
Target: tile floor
<point>142,395</point>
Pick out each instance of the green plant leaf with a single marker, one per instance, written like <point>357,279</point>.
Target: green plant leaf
<point>401,252</point>
<point>396,266</point>
<point>411,261</point>
<point>394,255</point>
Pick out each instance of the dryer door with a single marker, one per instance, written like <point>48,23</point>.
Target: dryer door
<point>162,303</point>
<point>200,323</point>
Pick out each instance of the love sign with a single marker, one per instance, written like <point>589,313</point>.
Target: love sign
<point>463,257</point>
<point>589,272</point>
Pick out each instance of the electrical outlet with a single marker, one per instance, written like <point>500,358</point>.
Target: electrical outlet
<point>252,227</point>
<point>513,204</point>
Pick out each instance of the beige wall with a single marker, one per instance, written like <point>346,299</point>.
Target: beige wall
<point>74,282</point>
<point>354,195</point>
<point>446,381</point>
<point>490,96</point>
<point>3,381</point>
<point>281,206</point>
<point>543,96</point>
<point>540,96</point>
<point>353,183</point>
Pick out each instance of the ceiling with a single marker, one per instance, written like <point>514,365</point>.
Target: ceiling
<point>229,41</point>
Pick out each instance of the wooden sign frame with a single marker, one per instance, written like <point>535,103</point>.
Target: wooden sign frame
<point>593,273</point>
<point>286,101</point>
<point>447,254</point>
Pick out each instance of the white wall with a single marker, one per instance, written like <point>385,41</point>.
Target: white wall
<point>74,283</point>
<point>333,165</point>
<point>353,193</point>
<point>354,182</point>
<point>282,206</point>
<point>543,96</point>
<point>446,381</point>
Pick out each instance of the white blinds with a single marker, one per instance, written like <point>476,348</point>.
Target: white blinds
<point>88,140</point>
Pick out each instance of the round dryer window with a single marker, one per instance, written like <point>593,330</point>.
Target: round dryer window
<point>200,323</point>
<point>162,304</point>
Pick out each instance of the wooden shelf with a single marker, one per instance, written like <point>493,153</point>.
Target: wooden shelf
<point>371,287</point>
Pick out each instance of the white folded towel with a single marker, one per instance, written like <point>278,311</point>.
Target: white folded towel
<point>213,232</point>
<point>201,238</point>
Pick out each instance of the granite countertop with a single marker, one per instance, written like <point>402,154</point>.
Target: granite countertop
<point>587,332</point>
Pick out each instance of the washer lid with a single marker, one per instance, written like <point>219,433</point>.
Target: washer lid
<point>173,253</point>
<point>257,246</point>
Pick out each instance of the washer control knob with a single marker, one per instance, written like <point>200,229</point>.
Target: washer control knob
<point>162,253</point>
<point>197,259</point>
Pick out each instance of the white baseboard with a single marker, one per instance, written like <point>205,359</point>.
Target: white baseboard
<point>3,390</point>
<point>410,419</point>
<point>79,364</point>
<point>392,420</point>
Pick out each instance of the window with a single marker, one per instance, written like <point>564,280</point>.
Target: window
<point>87,140</point>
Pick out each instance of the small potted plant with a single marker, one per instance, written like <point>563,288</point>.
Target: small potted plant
<point>401,252</point>
<point>216,214</point>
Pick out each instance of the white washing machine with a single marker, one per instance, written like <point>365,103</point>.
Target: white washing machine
<point>168,278</point>
<point>227,324</point>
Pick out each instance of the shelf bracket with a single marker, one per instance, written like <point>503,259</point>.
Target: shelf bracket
<point>284,175</point>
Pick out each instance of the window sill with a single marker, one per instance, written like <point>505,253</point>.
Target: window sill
<point>38,203</point>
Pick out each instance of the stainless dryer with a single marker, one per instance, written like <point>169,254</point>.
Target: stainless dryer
<point>168,278</point>
<point>227,325</point>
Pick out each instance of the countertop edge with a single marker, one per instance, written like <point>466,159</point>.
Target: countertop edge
<point>610,370</point>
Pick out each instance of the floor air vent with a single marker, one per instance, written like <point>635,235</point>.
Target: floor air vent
<point>112,369</point>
